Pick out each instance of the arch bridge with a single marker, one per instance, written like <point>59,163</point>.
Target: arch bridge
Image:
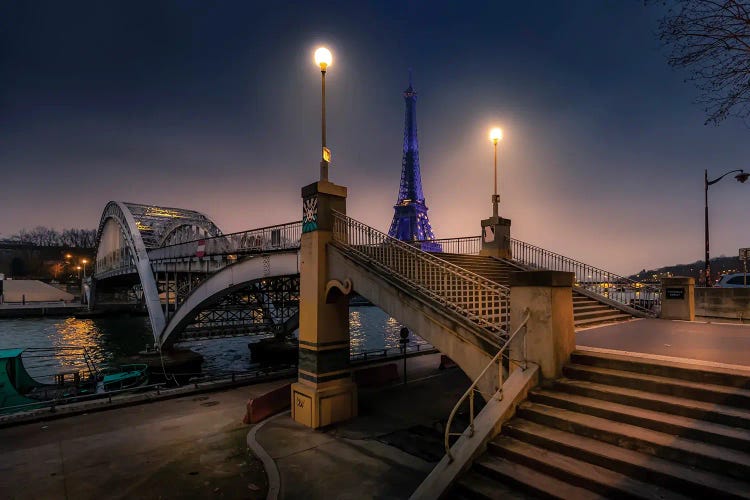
<point>193,280</point>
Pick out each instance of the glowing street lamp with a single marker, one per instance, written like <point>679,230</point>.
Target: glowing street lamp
<point>323,58</point>
<point>78,268</point>
<point>741,177</point>
<point>495,135</point>
<point>84,262</point>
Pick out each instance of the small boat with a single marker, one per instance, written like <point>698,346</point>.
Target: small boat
<point>20,390</point>
<point>124,377</point>
<point>62,374</point>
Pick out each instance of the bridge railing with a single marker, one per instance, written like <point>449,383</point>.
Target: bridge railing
<point>639,296</point>
<point>116,259</point>
<point>483,302</point>
<point>264,239</point>
<point>467,245</point>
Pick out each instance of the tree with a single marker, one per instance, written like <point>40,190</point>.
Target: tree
<point>712,39</point>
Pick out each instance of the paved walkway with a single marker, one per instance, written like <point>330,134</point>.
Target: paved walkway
<point>191,447</point>
<point>385,453</point>
<point>716,342</point>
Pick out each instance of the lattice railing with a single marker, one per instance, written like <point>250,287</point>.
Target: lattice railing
<point>642,297</point>
<point>468,245</point>
<point>639,296</point>
<point>481,301</point>
<point>265,239</point>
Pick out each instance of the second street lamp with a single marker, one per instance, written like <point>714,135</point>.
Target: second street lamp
<point>323,58</point>
<point>495,135</point>
<point>84,262</point>
<point>741,176</point>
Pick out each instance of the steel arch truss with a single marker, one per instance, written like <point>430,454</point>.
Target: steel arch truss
<point>144,227</point>
<point>268,306</point>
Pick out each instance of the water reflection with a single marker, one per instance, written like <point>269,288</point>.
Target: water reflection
<point>110,339</point>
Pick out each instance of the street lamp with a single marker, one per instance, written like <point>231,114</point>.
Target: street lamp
<point>84,261</point>
<point>741,176</point>
<point>78,268</point>
<point>495,135</point>
<point>323,58</point>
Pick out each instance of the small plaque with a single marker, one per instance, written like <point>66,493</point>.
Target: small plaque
<point>675,293</point>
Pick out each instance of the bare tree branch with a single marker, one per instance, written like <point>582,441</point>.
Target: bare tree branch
<point>712,39</point>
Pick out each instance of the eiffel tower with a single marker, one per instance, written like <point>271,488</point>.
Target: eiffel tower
<point>410,221</point>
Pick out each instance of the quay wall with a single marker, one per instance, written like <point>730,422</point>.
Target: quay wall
<point>731,303</point>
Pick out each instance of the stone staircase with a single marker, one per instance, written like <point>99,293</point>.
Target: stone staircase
<point>586,310</point>
<point>619,426</point>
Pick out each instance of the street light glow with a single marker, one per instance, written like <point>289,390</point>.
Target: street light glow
<point>323,58</point>
<point>496,134</point>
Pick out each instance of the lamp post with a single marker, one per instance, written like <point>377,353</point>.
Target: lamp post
<point>84,262</point>
<point>78,268</point>
<point>495,135</point>
<point>323,59</point>
<point>741,176</point>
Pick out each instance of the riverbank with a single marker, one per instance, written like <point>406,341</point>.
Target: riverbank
<point>40,309</point>
<point>195,446</point>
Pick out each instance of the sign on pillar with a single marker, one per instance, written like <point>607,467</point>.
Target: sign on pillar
<point>324,392</point>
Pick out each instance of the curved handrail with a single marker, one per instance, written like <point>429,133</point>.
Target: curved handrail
<point>473,387</point>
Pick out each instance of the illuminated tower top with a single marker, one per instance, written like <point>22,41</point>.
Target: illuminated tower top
<point>410,221</point>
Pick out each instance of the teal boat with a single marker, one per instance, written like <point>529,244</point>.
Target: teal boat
<point>67,373</point>
<point>125,377</point>
<point>20,391</point>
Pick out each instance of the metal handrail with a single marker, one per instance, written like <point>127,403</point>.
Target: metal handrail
<point>466,245</point>
<point>482,301</point>
<point>473,387</point>
<point>279,237</point>
<point>640,296</point>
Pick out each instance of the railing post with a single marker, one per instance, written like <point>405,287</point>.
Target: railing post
<point>550,336</point>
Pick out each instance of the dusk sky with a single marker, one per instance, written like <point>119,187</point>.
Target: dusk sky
<point>215,106</point>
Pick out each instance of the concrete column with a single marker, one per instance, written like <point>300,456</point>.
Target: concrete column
<point>550,335</point>
<point>678,298</point>
<point>496,237</point>
<point>324,393</point>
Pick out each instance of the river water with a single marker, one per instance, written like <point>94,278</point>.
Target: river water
<point>108,339</point>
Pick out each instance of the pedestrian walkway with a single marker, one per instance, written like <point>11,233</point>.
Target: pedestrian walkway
<point>715,342</point>
<point>385,452</point>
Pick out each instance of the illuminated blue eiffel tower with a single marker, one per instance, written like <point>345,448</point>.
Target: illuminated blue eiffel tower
<point>410,221</point>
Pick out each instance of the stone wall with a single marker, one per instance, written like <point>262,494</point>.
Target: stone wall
<point>732,303</point>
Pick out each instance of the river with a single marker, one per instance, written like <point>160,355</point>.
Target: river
<point>108,339</point>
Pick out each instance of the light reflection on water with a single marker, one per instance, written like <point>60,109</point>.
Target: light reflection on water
<point>108,339</point>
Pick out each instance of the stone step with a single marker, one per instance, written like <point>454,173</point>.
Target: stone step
<point>614,316</point>
<point>698,430</point>
<point>646,467</point>
<point>691,408</point>
<point>603,314</point>
<point>474,485</point>
<point>593,477</point>
<point>693,453</point>
<point>530,480</point>
<point>733,377</point>
<point>711,393</point>
<point>595,306</point>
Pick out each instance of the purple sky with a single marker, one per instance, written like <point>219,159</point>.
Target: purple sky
<point>214,106</point>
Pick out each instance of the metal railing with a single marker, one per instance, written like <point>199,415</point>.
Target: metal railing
<point>264,239</point>
<point>483,302</point>
<point>467,245</point>
<point>497,359</point>
<point>114,260</point>
<point>642,297</point>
